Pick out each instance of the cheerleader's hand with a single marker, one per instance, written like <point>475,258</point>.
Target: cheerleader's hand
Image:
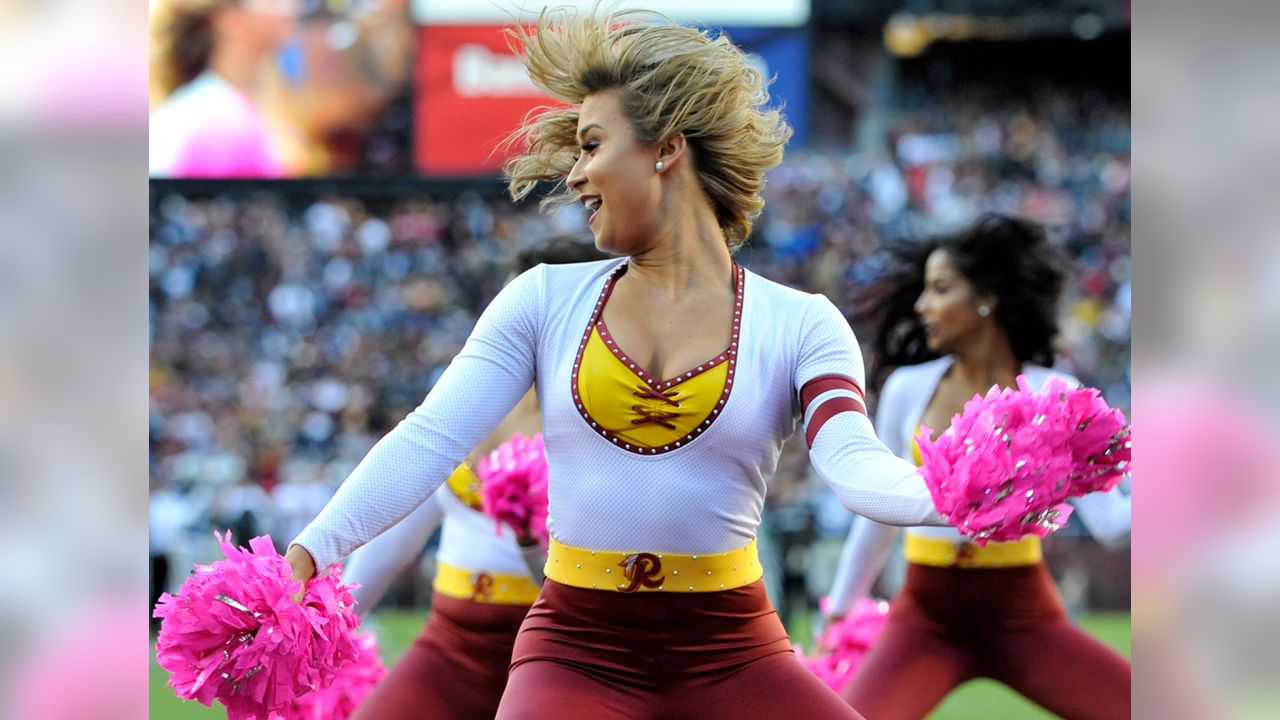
<point>304,567</point>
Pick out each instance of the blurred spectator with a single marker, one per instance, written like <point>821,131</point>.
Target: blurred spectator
<point>273,88</point>
<point>210,59</point>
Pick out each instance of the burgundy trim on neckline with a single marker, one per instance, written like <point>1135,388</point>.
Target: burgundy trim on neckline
<point>730,355</point>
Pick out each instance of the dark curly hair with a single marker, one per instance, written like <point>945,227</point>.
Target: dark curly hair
<point>1005,257</point>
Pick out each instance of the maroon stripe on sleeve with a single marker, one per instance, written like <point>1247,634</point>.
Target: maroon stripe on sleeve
<point>828,410</point>
<point>823,383</point>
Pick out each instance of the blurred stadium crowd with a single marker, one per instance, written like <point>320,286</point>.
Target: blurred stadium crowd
<point>290,330</point>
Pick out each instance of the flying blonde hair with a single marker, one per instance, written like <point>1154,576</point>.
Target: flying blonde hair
<point>670,79</point>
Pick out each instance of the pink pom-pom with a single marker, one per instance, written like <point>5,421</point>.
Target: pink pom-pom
<point>515,486</point>
<point>1010,460</point>
<point>234,633</point>
<point>845,642</point>
<point>354,681</point>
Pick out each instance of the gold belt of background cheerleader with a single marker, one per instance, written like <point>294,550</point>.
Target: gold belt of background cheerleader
<point>484,587</point>
<point>629,572</point>
<point>943,552</point>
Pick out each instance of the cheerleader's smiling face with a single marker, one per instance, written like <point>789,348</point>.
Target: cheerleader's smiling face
<point>614,177</point>
<point>948,306</point>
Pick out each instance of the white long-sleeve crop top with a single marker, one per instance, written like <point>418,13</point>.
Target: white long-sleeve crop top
<point>794,359</point>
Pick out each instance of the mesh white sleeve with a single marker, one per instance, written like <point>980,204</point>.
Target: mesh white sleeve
<point>488,377</point>
<point>1107,516</point>
<point>866,477</point>
<point>869,544</point>
<point>376,565</point>
<point>865,552</point>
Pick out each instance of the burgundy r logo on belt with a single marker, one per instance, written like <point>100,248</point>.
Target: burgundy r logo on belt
<point>483,588</point>
<point>642,569</point>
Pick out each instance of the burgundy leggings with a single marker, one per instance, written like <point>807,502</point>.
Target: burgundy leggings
<point>596,655</point>
<point>455,670</point>
<point>950,625</point>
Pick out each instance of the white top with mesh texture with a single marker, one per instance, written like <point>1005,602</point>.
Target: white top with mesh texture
<point>703,497</point>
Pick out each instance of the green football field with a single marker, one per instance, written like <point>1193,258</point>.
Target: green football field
<point>979,699</point>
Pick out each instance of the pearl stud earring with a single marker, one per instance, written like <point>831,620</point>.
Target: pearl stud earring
<point>659,166</point>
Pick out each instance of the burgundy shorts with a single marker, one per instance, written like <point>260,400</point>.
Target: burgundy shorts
<point>949,625</point>
<point>603,655</point>
<point>455,670</point>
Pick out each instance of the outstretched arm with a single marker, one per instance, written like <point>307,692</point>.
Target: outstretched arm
<point>869,544</point>
<point>480,386</point>
<point>844,449</point>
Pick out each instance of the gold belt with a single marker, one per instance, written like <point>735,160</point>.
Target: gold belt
<point>941,552</point>
<point>629,572</point>
<point>484,587</point>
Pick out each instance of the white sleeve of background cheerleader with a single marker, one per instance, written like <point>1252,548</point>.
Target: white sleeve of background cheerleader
<point>1107,516</point>
<point>487,378</point>
<point>865,552</point>
<point>377,564</point>
<point>843,448</point>
<point>1104,514</point>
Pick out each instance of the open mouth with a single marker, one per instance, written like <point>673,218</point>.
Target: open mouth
<point>592,204</point>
